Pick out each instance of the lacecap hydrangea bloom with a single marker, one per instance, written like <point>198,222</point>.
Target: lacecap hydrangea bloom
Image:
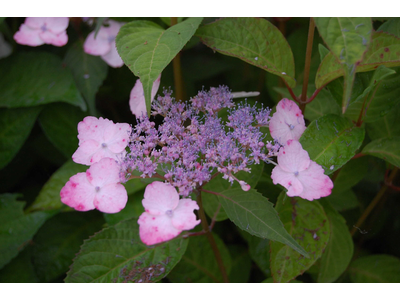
<point>38,31</point>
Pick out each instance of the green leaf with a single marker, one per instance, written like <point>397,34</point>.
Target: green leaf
<point>15,127</point>
<point>210,201</point>
<point>16,228</point>
<point>36,78</point>
<point>99,23</point>
<point>59,122</point>
<point>339,251</point>
<point>49,195</point>
<point>391,26</point>
<point>350,174</point>
<point>59,239</point>
<point>259,252</point>
<point>375,269</point>
<point>198,264</point>
<point>387,126</point>
<point>331,141</point>
<point>386,148</point>
<point>89,72</point>
<point>116,254</point>
<point>147,48</point>
<point>20,269</point>
<point>241,264</point>
<point>253,40</point>
<point>252,212</point>
<point>343,201</point>
<point>309,226</point>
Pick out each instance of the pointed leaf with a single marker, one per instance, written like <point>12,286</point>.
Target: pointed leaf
<point>343,201</point>
<point>252,212</point>
<point>380,268</point>
<point>387,126</point>
<point>36,78</point>
<point>198,264</point>
<point>386,148</point>
<point>253,40</point>
<point>331,141</point>
<point>116,254</point>
<point>147,48</point>
<point>350,174</point>
<point>309,226</point>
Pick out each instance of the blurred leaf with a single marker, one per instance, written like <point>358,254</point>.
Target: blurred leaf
<point>339,251</point>
<point>35,78</point>
<point>265,47</point>
<point>59,122</point>
<point>391,26</point>
<point>89,72</point>
<point>375,269</point>
<point>49,196</point>
<point>344,200</point>
<point>134,185</point>
<point>59,239</point>
<point>331,141</point>
<point>350,174</point>
<point>16,228</point>
<point>147,48</point>
<point>241,264</point>
<point>116,254</point>
<point>99,22</point>
<point>20,269</point>
<point>259,252</point>
<point>15,127</point>
<point>252,212</point>
<point>309,226</point>
<point>387,126</point>
<point>386,148</point>
<point>198,264</point>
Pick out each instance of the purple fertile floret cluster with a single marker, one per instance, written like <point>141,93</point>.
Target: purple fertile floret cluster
<point>193,143</point>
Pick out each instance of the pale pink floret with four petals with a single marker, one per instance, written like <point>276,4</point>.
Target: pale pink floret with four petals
<point>165,216</point>
<point>137,101</point>
<point>38,31</point>
<point>104,44</point>
<point>287,123</point>
<point>100,138</point>
<point>99,187</point>
<point>301,176</point>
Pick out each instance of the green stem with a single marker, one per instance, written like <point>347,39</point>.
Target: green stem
<point>303,99</point>
<point>210,238</point>
<point>176,63</point>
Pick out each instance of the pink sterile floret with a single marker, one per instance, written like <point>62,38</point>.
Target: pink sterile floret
<point>136,101</point>
<point>100,138</point>
<point>301,176</point>
<point>287,123</point>
<point>165,215</point>
<point>104,44</point>
<point>99,187</point>
<point>39,31</point>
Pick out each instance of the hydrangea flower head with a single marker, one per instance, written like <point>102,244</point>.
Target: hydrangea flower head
<point>99,187</point>
<point>300,175</point>
<point>100,138</point>
<point>287,123</point>
<point>165,216</point>
<point>104,44</point>
<point>38,31</point>
<point>137,101</point>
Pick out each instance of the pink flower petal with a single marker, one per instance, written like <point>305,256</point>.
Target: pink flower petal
<point>315,183</point>
<point>35,22</point>
<point>183,217</point>
<point>84,154</point>
<point>293,158</point>
<point>137,101</point>
<point>159,198</point>
<point>112,57</point>
<point>117,136</point>
<point>156,229</point>
<point>78,193</point>
<point>96,46</point>
<point>111,198</point>
<point>287,180</point>
<point>287,122</point>
<point>56,25</point>
<point>54,39</point>
<point>28,36</point>
<point>91,128</point>
<point>103,173</point>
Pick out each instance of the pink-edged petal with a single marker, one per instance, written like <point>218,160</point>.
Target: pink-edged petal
<point>57,24</point>
<point>183,217</point>
<point>112,57</point>
<point>315,183</point>
<point>58,40</point>
<point>159,198</point>
<point>112,29</point>
<point>156,229</point>
<point>78,193</point>
<point>92,128</point>
<point>111,198</point>
<point>84,154</point>
<point>103,173</point>
<point>137,102</point>
<point>293,158</point>
<point>35,22</point>
<point>28,36</point>
<point>287,180</point>
<point>117,136</point>
<point>287,122</point>
<point>96,46</point>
